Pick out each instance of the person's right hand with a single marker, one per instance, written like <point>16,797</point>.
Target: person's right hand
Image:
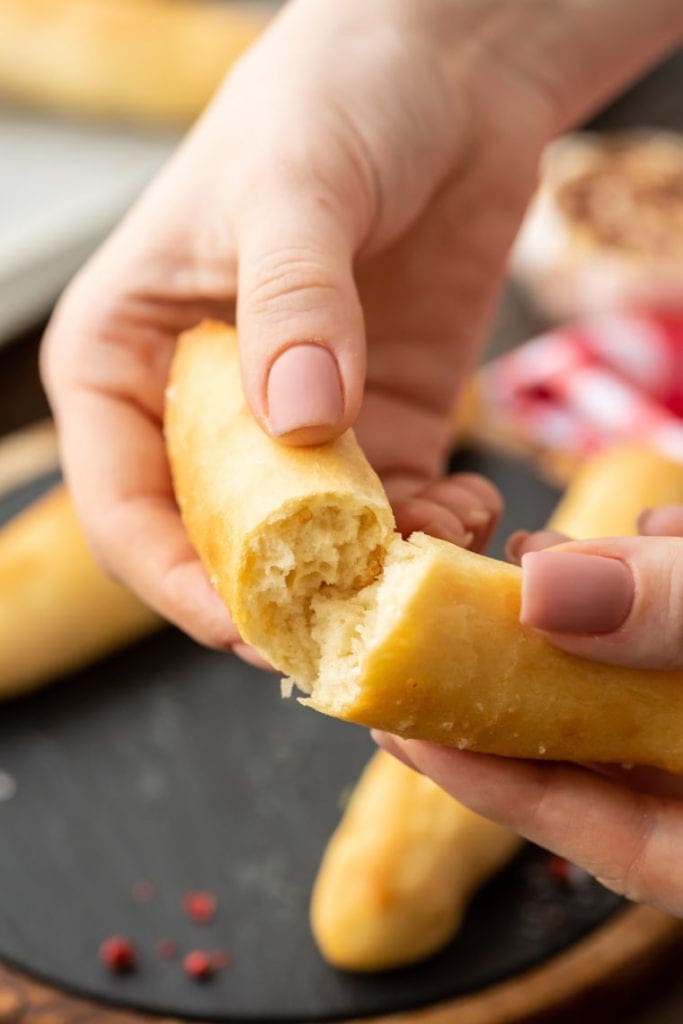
<point>619,601</point>
<point>350,196</point>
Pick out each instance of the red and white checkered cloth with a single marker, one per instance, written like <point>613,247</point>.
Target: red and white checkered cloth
<point>579,388</point>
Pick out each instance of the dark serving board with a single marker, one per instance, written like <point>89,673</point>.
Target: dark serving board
<point>184,767</point>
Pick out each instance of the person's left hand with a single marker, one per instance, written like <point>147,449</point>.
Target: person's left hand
<point>618,601</point>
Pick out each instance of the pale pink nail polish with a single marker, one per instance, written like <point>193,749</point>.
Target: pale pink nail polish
<point>571,592</point>
<point>304,390</point>
<point>666,521</point>
<point>475,517</point>
<point>514,545</point>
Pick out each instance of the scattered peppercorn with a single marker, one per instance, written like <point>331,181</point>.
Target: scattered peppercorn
<point>118,954</point>
<point>199,964</point>
<point>200,906</point>
<point>167,949</point>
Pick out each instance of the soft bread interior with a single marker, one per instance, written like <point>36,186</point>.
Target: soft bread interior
<point>345,629</point>
<point>327,583</point>
<point>312,573</point>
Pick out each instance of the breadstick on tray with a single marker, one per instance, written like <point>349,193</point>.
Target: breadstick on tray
<point>416,637</point>
<point>400,870</point>
<point>58,611</point>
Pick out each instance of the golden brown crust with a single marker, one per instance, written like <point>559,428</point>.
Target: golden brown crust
<point>232,481</point>
<point>452,663</point>
<point>457,668</point>
<point>610,490</point>
<point>400,869</point>
<point>155,61</point>
<point>58,611</point>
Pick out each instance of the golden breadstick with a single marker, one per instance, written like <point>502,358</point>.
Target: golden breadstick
<point>417,637</point>
<point>400,869</point>
<point>608,494</point>
<point>153,61</point>
<point>58,611</point>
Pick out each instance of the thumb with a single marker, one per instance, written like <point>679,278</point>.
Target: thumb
<point>301,333</point>
<point>618,601</point>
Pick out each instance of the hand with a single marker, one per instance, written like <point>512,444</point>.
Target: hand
<point>619,601</point>
<point>349,197</point>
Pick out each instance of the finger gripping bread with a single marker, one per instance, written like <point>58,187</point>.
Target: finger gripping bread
<point>282,531</point>
<point>416,637</point>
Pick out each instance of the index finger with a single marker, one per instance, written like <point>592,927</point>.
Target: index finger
<point>628,839</point>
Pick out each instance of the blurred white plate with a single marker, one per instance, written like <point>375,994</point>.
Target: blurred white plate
<point>63,186</point>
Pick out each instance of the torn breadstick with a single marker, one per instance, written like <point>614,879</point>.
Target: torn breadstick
<point>58,609</point>
<point>400,870</point>
<point>416,637</point>
<point>406,858</point>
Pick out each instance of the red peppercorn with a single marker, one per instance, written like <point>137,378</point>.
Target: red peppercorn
<point>118,953</point>
<point>559,868</point>
<point>198,964</point>
<point>200,906</point>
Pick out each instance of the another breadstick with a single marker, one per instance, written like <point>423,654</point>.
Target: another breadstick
<point>416,637</point>
<point>155,61</point>
<point>400,869</point>
<point>606,496</point>
<point>58,611</point>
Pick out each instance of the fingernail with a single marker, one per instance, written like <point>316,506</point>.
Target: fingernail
<point>391,745</point>
<point>643,520</point>
<point>444,532</point>
<point>514,545</point>
<point>523,542</point>
<point>475,517</point>
<point>570,592</point>
<point>665,521</point>
<point>304,390</point>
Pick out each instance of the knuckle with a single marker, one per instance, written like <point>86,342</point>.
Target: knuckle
<point>73,320</point>
<point>667,592</point>
<point>483,489</point>
<point>289,281</point>
<point>57,340</point>
<point>634,879</point>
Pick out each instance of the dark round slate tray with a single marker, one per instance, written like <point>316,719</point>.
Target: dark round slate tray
<point>184,767</point>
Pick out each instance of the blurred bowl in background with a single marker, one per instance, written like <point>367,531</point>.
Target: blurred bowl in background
<point>605,229</point>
